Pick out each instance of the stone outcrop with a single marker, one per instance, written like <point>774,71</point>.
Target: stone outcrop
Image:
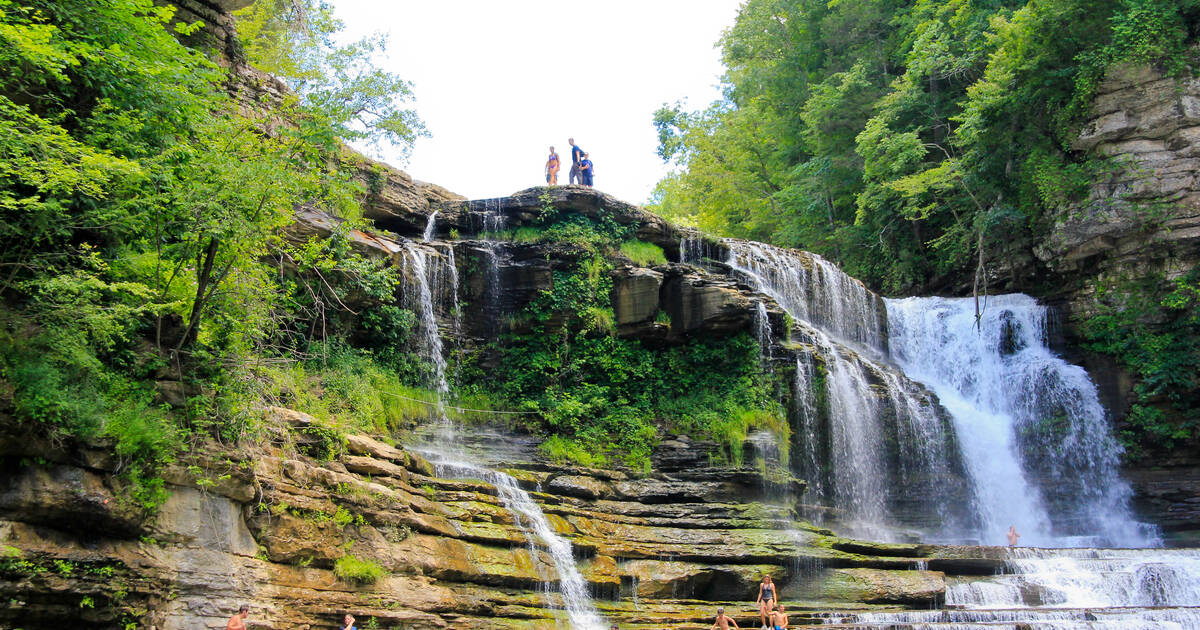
<point>1146,215</point>
<point>265,525</point>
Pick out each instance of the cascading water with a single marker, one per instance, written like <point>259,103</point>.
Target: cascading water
<point>1037,443</point>
<point>762,328</point>
<point>424,267</point>
<point>528,516</point>
<point>416,261</point>
<point>872,410</point>
<point>430,227</point>
<point>813,290</point>
<point>1064,589</point>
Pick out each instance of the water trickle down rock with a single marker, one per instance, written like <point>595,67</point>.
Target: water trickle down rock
<point>890,454</point>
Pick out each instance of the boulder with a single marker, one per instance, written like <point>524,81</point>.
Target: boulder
<point>635,296</point>
<point>696,302</point>
<point>878,586</point>
<point>580,486</point>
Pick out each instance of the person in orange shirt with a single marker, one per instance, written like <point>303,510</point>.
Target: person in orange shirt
<point>552,168</point>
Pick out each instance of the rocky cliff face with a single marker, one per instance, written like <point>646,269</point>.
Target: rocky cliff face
<point>265,525</point>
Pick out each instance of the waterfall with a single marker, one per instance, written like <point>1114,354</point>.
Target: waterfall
<point>1063,589</point>
<point>693,249</point>
<point>416,262</point>
<point>813,290</point>
<point>762,328</point>
<point>529,518</point>
<point>805,419</point>
<point>492,292</point>
<point>1036,438</point>
<point>430,227</point>
<point>887,448</point>
<point>425,269</point>
<point>1086,578</point>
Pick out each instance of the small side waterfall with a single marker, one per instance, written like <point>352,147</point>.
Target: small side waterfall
<point>528,516</point>
<point>1036,438</point>
<point>428,272</point>
<point>417,268</point>
<point>430,227</point>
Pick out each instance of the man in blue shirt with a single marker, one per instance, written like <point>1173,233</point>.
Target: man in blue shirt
<point>586,170</point>
<point>576,156</point>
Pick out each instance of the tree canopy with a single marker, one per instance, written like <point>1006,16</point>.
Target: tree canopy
<point>907,140</point>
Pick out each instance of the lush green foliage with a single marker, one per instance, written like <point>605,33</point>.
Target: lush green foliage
<point>907,140</point>
<point>141,233</point>
<point>606,398</point>
<point>352,569</point>
<point>339,85</point>
<point>1159,340</point>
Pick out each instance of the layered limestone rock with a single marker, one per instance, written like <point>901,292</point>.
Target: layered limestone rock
<point>1147,213</point>
<point>265,525</point>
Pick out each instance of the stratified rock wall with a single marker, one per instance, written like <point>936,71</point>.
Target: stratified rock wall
<point>264,526</point>
<point>1145,217</point>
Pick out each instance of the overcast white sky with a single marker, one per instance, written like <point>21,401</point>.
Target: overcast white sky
<point>498,83</point>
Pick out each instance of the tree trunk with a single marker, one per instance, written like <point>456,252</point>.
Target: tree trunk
<point>203,278</point>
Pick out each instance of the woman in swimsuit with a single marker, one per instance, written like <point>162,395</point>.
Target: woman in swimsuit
<point>552,168</point>
<point>766,598</point>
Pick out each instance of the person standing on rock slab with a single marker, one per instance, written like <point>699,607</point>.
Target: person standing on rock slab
<point>238,621</point>
<point>348,622</point>
<point>723,621</point>
<point>586,170</point>
<point>766,599</point>
<point>552,168</point>
<point>1012,536</point>
<point>576,156</point>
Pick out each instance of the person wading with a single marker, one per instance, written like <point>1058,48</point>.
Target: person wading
<point>723,621</point>
<point>552,168</point>
<point>576,156</point>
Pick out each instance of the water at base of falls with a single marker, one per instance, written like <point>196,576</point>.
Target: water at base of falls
<point>1064,589</point>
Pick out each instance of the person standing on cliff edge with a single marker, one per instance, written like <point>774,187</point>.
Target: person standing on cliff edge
<point>552,168</point>
<point>1012,536</point>
<point>238,621</point>
<point>586,171</point>
<point>576,175</point>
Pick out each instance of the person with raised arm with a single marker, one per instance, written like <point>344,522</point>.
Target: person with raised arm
<point>723,621</point>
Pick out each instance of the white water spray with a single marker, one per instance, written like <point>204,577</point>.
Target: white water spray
<point>1022,414</point>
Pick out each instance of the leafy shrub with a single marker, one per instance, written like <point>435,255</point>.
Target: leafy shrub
<point>564,450</point>
<point>352,569</point>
